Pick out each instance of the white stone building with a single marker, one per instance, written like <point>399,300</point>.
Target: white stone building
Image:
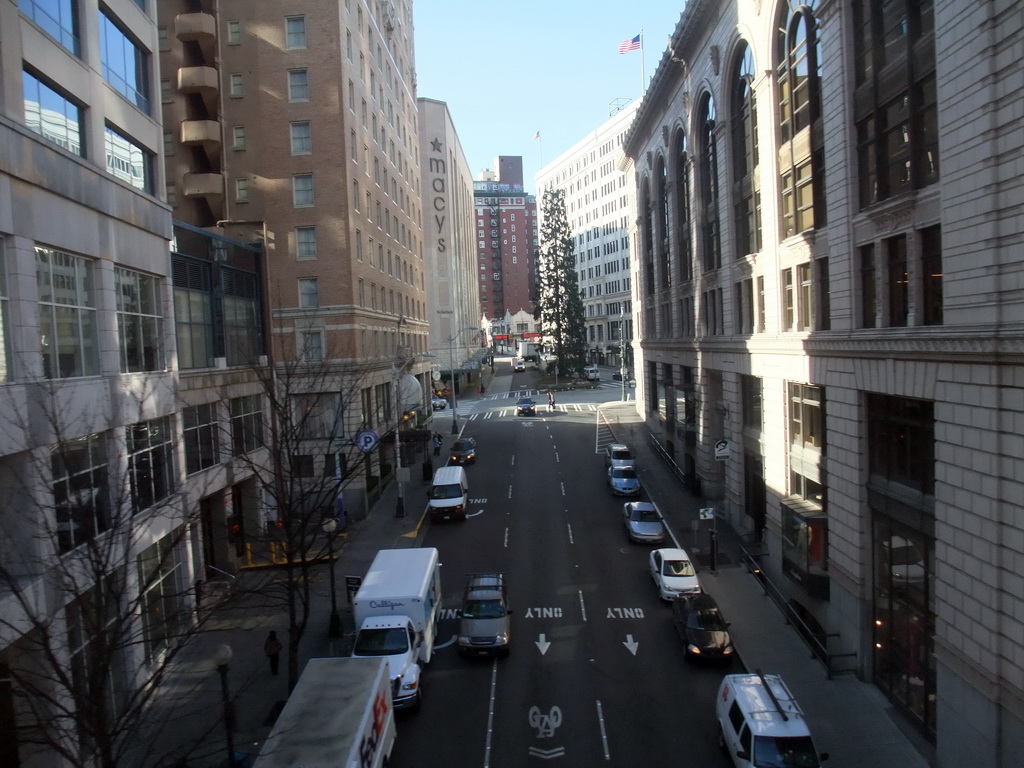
<point>830,274</point>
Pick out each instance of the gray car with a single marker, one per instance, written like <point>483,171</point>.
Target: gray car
<point>484,624</point>
<point>643,522</point>
<point>623,481</point>
<point>618,455</point>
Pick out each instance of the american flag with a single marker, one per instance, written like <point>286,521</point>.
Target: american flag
<point>633,44</point>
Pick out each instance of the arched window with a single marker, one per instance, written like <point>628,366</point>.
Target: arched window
<point>746,189</point>
<point>711,253</point>
<point>662,235</point>
<point>648,237</point>
<point>801,155</point>
<point>681,187</point>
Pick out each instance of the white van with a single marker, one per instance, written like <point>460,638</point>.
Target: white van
<point>760,724</point>
<point>449,494</point>
<point>592,373</point>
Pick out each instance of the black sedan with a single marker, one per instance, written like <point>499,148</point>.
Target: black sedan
<point>526,407</point>
<point>464,451</point>
<point>702,628</point>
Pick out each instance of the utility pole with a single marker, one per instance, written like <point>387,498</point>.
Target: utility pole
<point>622,349</point>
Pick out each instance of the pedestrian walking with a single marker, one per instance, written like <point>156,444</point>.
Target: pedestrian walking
<point>272,647</point>
<point>551,401</point>
<point>438,440</point>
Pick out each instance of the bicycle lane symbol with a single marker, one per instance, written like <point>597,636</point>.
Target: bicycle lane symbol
<point>545,725</point>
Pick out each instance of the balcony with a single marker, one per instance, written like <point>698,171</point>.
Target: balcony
<point>204,132</point>
<point>198,80</point>
<point>209,185</point>
<point>195,27</point>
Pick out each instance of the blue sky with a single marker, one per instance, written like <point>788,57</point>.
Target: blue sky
<point>556,64</point>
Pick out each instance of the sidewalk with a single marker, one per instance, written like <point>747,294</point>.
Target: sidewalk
<point>850,719</point>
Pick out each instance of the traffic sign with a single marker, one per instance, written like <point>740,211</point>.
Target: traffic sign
<point>707,513</point>
<point>722,450</point>
<point>367,440</point>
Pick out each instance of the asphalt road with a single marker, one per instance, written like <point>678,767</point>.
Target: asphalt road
<point>596,675</point>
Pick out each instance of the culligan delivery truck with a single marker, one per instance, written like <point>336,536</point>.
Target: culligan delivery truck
<point>396,611</point>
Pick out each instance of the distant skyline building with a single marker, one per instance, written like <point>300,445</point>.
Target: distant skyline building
<point>506,239</point>
<point>598,202</point>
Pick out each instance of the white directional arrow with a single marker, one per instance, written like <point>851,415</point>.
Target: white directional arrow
<point>631,644</point>
<point>543,644</point>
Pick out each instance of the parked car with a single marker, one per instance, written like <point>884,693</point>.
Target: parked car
<point>643,522</point>
<point>701,627</point>
<point>618,455</point>
<point>526,407</point>
<point>673,573</point>
<point>464,451</point>
<point>484,624</point>
<point>617,376</point>
<point>438,403</point>
<point>623,481</point>
<point>519,365</point>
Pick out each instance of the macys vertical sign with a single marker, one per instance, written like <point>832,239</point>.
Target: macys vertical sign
<point>437,179</point>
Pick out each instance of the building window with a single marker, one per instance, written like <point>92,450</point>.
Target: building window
<point>806,421</point>
<point>52,115</point>
<point>823,294</point>
<point>164,608</point>
<point>80,492</point>
<point>298,85</point>
<point>193,313</point>
<point>235,85</point>
<point>234,32</point>
<point>125,63</point>
<point>305,242</point>
<point>200,432</point>
<point>67,315</point>
<point>801,153</point>
<point>683,240</point>
<point>302,139</point>
<point>760,304</point>
<point>312,346</point>
<point>239,304</point>
<point>899,281</point>
<point>139,321</point>
<point>895,99</point>
<point>127,161</point>
<point>746,188</point>
<point>150,447</point>
<point>302,190</point>
<point>295,32</point>
<point>931,276</point>
<point>309,293</point>
<point>750,391</point>
<point>711,254</point>
<point>238,137</point>
<point>5,350</point>
<point>242,190</point>
<point>788,300</point>
<point>96,649</point>
<point>246,424</point>
<point>58,18</point>
<point>805,304</point>
<point>901,440</point>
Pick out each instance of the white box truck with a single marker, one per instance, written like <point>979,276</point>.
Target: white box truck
<point>339,715</point>
<point>396,611</point>
<point>528,351</point>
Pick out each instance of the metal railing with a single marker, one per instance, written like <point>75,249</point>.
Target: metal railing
<point>817,642</point>
<point>669,460</point>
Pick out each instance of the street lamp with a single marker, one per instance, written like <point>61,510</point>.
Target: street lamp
<point>622,349</point>
<point>451,358</point>
<point>222,657</point>
<point>330,526</point>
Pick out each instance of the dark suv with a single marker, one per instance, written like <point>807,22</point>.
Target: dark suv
<point>484,616</point>
<point>464,451</point>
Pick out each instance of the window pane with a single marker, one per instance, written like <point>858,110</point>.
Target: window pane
<point>126,160</point>
<point>51,115</point>
<point>125,64</point>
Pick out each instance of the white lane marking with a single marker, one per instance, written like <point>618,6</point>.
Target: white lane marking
<point>446,643</point>
<point>506,538</point>
<point>604,733</point>
<point>583,607</point>
<point>631,644</point>
<point>490,714</point>
<point>542,644</point>
<point>510,491</point>
<point>563,488</point>
<point>569,527</point>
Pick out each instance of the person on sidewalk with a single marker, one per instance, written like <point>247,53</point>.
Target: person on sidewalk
<point>438,440</point>
<point>272,647</point>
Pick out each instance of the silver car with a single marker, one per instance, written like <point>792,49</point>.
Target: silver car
<point>484,624</point>
<point>643,522</point>
<point>618,455</point>
<point>623,481</point>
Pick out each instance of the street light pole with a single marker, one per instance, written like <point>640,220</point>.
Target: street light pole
<point>622,349</point>
<point>330,525</point>
<point>222,657</point>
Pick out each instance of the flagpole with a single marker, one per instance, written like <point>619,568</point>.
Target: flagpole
<point>643,75</point>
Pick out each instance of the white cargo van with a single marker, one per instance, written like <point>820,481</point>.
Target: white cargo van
<point>396,611</point>
<point>760,725</point>
<point>449,494</point>
<point>592,373</point>
<point>339,713</point>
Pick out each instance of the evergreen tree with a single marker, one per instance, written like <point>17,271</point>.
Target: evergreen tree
<point>560,305</point>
